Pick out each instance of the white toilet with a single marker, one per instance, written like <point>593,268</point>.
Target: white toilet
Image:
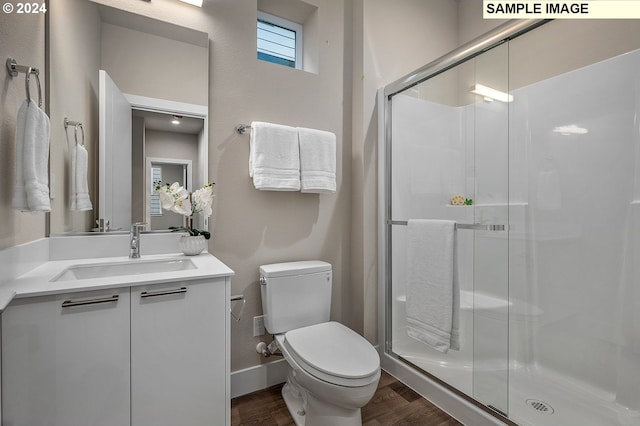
<point>333,370</point>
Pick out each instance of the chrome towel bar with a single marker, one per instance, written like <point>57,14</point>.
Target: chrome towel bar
<point>471,226</point>
<point>242,128</point>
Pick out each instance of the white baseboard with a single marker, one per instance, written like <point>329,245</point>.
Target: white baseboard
<point>259,377</point>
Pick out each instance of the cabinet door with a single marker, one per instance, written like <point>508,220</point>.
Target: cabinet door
<point>65,360</point>
<point>179,346</point>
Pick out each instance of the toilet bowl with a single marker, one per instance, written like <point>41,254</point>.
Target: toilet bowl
<point>333,371</point>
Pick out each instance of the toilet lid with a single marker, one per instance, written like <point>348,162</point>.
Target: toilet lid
<point>334,353</point>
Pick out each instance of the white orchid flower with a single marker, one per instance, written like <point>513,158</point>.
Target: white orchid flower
<point>182,206</point>
<point>166,199</point>
<point>177,199</point>
<point>202,200</point>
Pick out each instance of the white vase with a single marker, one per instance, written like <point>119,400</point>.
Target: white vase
<point>192,245</point>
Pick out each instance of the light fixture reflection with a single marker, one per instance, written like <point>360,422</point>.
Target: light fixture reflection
<point>193,2</point>
<point>571,129</point>
<point>491,93</point>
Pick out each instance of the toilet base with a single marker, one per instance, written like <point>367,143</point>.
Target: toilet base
<point>295,403</point>
<point>307,410</point>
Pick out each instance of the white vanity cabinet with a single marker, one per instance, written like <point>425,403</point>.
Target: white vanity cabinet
<point>145,355</point>
<point>178,356</point>
<point>65,359</point>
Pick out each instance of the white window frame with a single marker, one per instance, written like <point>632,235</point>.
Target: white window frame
<point>289,25</point>
<point>154,195</point>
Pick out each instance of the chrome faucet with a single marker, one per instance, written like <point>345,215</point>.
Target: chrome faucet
<point>134,241</point>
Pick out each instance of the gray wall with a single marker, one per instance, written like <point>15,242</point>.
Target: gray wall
<point>74,94</point>
<point>22,38</point>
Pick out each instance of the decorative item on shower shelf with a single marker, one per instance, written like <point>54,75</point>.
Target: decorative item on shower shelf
<point>175,198</point>
<point>459,200</point>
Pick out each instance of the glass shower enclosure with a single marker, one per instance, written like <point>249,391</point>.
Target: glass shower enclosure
<point>539,170</point>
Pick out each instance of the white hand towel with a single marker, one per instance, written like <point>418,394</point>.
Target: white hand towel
<point>32,157</point>
<point>36,159</point>
<point>317,160</point>
<point>433,295</point>
<point>80,199</point>
<point>274,157</point>
<point>19,201</point>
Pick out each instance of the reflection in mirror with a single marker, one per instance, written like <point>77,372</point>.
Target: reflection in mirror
<point>85,37</point>
<point>170,145</point>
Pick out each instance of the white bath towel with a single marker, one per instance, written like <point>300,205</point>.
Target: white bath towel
<point>317,160</point>
<point>433,294</point>
<point>19,201</point>
<point>80,199</point>
<point>274,157</point>
<point>32,157</point>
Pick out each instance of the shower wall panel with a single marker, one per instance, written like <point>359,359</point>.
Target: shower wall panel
<point>583,137</point>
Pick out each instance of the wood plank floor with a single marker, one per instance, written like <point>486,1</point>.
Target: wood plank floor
<point>392,404</point>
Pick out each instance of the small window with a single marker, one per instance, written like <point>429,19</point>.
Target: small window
<point>155,206</point>
<point>279,41</point>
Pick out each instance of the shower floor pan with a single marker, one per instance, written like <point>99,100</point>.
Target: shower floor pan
<point>568,401</point>
<point>537,396</point>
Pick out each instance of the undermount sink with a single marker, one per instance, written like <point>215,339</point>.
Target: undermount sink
<point>132,267</point>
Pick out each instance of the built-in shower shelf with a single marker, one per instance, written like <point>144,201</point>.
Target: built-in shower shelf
<point>635,202</point>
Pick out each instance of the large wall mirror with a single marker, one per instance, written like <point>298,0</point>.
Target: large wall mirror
<point>140,89</point>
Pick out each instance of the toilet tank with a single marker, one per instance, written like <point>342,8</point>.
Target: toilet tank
<point>295,294</point>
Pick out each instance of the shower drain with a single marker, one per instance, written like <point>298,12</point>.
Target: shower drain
<point>540,406</point>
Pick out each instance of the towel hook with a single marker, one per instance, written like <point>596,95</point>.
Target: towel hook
<point>13,68</point>
<point>75,133</point>
<point>34,71</point>
<point>76,125</point>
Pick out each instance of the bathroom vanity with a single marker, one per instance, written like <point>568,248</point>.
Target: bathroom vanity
<point>118,341</point>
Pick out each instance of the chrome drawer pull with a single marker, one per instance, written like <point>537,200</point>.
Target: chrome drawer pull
<point>71,303</point>
<point>163,292</point>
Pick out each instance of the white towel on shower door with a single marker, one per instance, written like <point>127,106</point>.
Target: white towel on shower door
<point>433,293</point>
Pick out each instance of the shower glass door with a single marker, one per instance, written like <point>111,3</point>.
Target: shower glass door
<point>448,160</point>
<point>491,248</point>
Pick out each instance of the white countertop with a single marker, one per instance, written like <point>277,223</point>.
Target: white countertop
<point>38,282</point>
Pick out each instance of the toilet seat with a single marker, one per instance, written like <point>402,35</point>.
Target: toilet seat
<point>333,353</point>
